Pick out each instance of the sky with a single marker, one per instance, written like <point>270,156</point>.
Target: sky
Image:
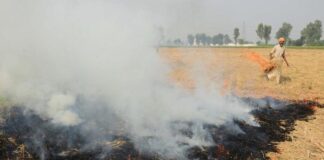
<point>179,18</point>
<point>222,16</point>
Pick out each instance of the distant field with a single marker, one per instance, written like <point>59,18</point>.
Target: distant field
<point>262,46</point>
<point>303,80</point>
<point>233,72</point>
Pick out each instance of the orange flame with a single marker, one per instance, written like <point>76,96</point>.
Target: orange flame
<point>264,64</point>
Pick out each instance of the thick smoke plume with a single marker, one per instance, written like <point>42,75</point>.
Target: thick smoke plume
<point>94,64</point>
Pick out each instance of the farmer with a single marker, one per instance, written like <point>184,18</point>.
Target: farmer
<point>277,57</point>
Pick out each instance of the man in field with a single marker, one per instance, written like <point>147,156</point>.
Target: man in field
<point>277,57</point>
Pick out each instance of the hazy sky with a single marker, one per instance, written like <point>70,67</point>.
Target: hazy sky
<point>181,17</point>
<point>221,16</point>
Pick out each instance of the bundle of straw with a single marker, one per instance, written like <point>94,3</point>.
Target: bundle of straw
<point>265,65</point>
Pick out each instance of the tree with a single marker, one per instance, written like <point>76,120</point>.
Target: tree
<point>312,32</point>
<point>198,39</point>
<point>236,34</point>
<point>260,31</point>
<point>203,38</point>
<point>218,39</point>
<point>215,40</point>
<point>227,39</point>
<point>191,39</point>
<point>208,40</point>
<point>266,33</point>
<point>241,41</point>
<point>177,42</point>
<point>284,31</point>
<point>298,42</point>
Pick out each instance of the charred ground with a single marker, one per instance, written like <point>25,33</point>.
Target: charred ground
<point>27,136</point>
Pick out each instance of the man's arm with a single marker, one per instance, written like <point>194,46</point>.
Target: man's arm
<point>284,57</point>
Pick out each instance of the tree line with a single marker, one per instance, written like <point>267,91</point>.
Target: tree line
<point>310,35</point>
<point>203,39</point>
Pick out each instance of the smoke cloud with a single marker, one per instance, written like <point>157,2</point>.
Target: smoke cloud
<point>94,64</point>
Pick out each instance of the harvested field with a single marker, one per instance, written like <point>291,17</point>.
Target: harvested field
<point>303,81</point>
<point>290,115</point>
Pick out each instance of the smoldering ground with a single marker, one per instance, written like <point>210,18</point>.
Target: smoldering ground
<point>20,139</point>
<point>93,64</point>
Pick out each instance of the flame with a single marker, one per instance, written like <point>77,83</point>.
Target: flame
<point>264,64</point>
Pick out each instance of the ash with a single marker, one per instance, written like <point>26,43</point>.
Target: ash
<point>25,135</point>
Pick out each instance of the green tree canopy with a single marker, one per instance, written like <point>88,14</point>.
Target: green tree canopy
<point>236,34</point>
<point>284,31</point>
<point>227,39</point>
<point>218,39</point>
<point>203,38</point>
<point>191,39</point>
<point>266,33</point>
<point>312,32</point>
<point>260,31</point>
<point>198,39</point>
<point>208,40</point>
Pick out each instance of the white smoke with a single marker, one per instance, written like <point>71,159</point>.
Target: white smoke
<point>54,52</point>
<point>58,108</point>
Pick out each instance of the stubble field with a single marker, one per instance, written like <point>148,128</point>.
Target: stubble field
<point>234,73</point>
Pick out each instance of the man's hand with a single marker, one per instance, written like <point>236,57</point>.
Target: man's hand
<point>286,62</point>
<point>284,57</point>
<point>270,56</point>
